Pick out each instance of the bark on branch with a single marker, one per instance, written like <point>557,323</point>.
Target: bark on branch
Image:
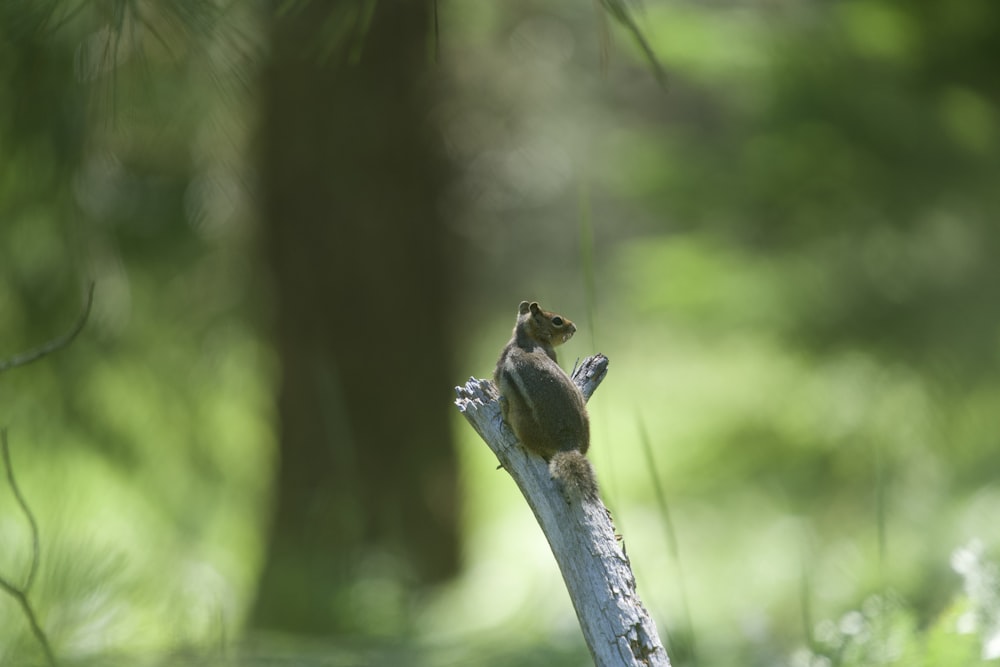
<point>597,573</point>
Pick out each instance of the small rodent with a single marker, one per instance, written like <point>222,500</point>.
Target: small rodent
<point>543,407</point>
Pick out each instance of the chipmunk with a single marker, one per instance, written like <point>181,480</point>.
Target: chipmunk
<point>543,407</point>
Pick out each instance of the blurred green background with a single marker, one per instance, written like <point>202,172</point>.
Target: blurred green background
<point>308,221</point>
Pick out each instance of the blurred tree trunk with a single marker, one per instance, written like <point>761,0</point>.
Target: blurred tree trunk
<point>351,179</point>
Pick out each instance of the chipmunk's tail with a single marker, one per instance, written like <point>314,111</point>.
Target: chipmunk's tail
<point>573,472</point>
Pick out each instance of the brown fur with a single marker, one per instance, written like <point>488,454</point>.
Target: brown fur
<point>543,407</point>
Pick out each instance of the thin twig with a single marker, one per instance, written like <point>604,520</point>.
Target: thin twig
<point>21,593</point>
<point>29,613</point>
<point>671,534</point>
<point>33,570</point>
<point>623,15</point>
<point>53,345</point>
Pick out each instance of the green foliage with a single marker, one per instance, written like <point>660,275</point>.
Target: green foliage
<point>144,451</point>
<point>885,630</point>
<point>789,256</point>
<point>796,286</point>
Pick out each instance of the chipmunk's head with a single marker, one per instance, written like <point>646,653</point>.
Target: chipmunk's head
<point>544,326</point>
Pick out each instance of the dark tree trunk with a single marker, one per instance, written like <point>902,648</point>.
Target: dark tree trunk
<point>355,237</point>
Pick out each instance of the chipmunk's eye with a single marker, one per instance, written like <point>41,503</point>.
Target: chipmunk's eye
<point>557,321</point>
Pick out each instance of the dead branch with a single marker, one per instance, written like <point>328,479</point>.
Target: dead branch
<point>597,573</point>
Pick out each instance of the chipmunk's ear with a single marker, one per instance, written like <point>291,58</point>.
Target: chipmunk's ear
<point>534,308</point>
<point>523,307</point>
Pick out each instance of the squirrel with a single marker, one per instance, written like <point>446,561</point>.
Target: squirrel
<point>542,405</point>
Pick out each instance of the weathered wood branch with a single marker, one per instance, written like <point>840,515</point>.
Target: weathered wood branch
<point>597,573</point>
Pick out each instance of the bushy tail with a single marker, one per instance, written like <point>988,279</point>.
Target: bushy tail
<point>573,472</point>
